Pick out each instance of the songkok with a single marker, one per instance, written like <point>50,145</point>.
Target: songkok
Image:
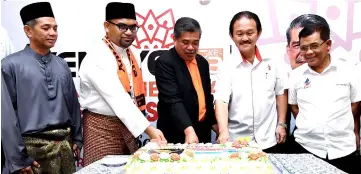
<point>36,10</point>
<point>118,10</point>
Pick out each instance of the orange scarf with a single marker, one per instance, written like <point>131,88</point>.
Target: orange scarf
<point>138,86</point>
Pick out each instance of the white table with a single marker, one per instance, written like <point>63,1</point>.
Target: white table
<point>284,163</point>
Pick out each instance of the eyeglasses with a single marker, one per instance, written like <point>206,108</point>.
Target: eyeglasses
<point>313,46</point>
<point>124,27</point>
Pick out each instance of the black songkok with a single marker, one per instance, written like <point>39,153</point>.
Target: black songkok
<point>118,10</point>
<point>36,10</point>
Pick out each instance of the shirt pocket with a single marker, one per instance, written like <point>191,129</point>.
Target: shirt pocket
<point>340,90</point>
<point>265,84</point>
<point>268,82</point>
<point>64,82</point>
<point>304,93</point>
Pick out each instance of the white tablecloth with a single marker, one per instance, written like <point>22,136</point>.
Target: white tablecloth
<point>284,163</point>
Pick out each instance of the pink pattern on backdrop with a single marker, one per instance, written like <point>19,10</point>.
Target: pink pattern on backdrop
<point>151,25</point>
<point>332,13</point>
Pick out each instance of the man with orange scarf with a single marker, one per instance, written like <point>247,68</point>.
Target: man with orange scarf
<point>112,91</point>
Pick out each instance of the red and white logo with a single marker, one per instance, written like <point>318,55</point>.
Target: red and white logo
<point>156,30</point>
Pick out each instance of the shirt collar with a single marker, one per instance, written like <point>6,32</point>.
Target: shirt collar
<point>40,58</point>
<point>119,49</point>
<point>236,57</point>
<point>194,61</point>
<point>333,64</point>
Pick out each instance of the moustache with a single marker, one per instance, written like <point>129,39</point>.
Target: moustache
<point>300,59</point>
<point>243,43</point>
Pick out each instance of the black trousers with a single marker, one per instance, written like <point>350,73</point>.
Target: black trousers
<point>274,149</point>
<point>349,164</point>
<point>282,148</point>
<point>202,129</point>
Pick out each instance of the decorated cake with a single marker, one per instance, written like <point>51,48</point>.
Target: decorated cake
<point>241,156</point>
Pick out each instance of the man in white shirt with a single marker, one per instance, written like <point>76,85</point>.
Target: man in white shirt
<point>112,91</point>
<point>249,93</point>
<point>296,59</point>
<point>6,47</point>
<point>324,95</point>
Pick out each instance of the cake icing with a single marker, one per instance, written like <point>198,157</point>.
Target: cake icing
<point>240,156</point>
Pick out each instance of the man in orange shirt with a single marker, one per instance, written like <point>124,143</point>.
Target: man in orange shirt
<point>185,106</point>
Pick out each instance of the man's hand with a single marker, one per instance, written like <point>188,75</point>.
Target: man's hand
<point>28,170</point>
<point>76,150</point>
<point>223,137</point>
<point>159,142</point>
<point>155,134</point>
<point>281,134</point>
<point>191,136</point>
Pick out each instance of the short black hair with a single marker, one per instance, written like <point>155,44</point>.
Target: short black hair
<point>186,24</point>
<point>247,14</point>
<point>301,22</point>
<point>320,26</point>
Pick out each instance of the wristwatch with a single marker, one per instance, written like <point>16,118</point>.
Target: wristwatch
<point>283,125</point>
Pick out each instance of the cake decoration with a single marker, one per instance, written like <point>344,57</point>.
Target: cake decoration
<point>240,156</point>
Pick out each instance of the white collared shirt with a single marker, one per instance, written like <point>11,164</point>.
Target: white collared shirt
<point>102,92</point>
<point>250,90</point>
<point>325,125</point>
<point>6,48</point>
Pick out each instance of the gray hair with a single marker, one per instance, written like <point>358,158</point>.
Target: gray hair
<point>31,23</point>
<point>186,24</point>
<point>301,22</point>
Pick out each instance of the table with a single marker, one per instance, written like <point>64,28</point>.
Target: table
<point>284,163</point>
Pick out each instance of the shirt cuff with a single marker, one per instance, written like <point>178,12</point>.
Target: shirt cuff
<point>221,98</point>
<point>292,103</point>
<point>355,100</point>
<point>281,92</point>
<point>138,128</point>
<point>78,143</point>
<point>18,166</point>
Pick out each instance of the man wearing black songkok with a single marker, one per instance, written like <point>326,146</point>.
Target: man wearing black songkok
<point>112,90</point>
<point>40,115</point>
